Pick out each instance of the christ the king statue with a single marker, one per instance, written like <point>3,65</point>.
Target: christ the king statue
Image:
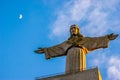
<point>76,48</point>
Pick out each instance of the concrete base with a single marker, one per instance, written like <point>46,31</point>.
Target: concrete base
<point>91,74</point>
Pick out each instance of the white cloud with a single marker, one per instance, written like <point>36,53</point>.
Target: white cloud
<point>114,68</point>
<point>110,63</point>
<point>98,15</point>
<point>98,57</point>
<point>72,12</point>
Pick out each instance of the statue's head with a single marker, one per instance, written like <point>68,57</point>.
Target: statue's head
<point>74,30</point>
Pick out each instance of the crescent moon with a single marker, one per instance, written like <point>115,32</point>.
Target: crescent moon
<point>20,16</point>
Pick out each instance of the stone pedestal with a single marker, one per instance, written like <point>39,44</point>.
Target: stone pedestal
<point>90,74</point>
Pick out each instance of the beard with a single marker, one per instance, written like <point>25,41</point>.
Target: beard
<point>74,34</point>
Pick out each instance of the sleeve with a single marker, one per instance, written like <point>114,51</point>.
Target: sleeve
<point>55,51</point>
<point>95,42</point>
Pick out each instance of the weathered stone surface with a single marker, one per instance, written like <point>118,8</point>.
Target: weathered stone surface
<point>91,74</point>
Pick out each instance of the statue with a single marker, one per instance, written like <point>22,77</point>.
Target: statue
<point>76,48</point>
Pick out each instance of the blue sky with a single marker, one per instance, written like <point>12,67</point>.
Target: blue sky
<point>45,23</point>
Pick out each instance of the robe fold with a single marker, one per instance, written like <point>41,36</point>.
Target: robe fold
<point>76,51</point>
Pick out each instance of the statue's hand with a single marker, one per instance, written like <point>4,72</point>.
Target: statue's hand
<point>112,36</point>
<point>39,51</point>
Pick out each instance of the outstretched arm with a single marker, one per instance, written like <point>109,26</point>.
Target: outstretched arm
<point>54,51</point>
<point>112,36</point>
<point>98,42</point>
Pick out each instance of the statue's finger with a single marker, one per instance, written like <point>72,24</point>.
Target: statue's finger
<point>39,51</point>
<point>36,51</point>
<point>111,34</point>
<point>39,48</point>
<point>117,35</point>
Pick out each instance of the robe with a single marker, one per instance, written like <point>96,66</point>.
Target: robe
<point>75,51</point>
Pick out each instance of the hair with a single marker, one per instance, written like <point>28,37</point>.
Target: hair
<point>78,34</point>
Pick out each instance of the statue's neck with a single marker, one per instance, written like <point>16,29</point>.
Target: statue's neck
<point>74,39</point>
<point>75,36</point>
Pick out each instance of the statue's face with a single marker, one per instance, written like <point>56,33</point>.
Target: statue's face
<point>74,30</point>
